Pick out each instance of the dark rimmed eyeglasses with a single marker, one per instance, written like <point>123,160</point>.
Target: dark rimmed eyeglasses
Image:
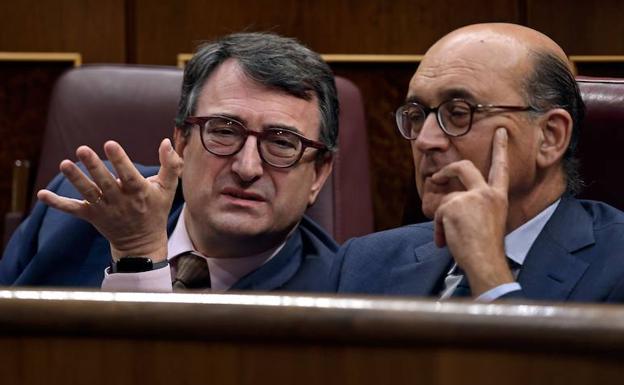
<point>454,116</point>
<point>279,147</point>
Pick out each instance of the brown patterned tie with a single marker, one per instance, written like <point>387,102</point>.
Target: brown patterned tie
<point>192,273</point>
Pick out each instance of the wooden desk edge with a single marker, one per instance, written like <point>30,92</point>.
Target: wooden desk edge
<point>324,318</point>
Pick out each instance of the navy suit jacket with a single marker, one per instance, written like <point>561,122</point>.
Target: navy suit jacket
<point>52,248</point>
<point>578,256</point>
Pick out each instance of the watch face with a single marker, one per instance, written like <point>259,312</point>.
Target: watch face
<point>133,265</point>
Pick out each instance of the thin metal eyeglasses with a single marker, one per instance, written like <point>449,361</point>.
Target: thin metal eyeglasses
<point>279,147</point>
<point>454,116</point>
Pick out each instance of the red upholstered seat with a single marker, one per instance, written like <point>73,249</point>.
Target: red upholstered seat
<point>601,148</point>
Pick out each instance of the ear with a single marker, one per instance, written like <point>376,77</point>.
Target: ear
<point>180,140</point>
<point>322,167</point>
<point>556,132</point>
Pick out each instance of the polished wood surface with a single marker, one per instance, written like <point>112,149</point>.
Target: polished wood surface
<point>123,338</point>
<point>323,318</point>
<point>93,28</point>
<point>580,27</point>
<point>167,27</point>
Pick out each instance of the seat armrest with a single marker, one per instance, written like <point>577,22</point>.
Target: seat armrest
<point>20,193</point>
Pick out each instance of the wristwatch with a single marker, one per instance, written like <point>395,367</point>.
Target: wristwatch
<point>135,265</point>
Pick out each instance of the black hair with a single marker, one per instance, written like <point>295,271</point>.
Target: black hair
<point>274,61</point>
<point>552,85</point>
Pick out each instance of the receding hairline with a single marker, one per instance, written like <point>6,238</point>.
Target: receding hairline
<point>532,40</point>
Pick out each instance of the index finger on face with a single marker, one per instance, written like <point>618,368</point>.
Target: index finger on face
<point>499,172</point>
<point>464,170</point>
<point>127,173</point>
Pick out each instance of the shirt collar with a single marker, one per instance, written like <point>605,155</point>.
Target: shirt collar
<point>519,242</point>
<point>179,241</point>
<point>224,272</point>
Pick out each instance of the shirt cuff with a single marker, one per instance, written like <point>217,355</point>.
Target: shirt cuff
<point>158,280</point>
<point>498,291</point>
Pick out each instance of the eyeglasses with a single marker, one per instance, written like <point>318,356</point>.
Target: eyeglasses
<point>278,147</point>
<point>454,116</point>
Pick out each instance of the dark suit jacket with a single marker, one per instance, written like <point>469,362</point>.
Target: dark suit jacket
<point>52,248</point>
<point>578,256</point>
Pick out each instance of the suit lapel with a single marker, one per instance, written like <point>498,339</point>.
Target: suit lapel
<point>551,270</point>
<point>423,277</point>
<point>279,270</point>
<point>176,209</point>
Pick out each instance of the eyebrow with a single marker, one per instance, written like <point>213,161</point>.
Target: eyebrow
<point>444,95</point>
<point>264,127</point>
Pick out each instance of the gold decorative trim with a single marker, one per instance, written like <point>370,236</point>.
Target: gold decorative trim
<point>73,57</point>
<point>347,58</point>
<point>183,58</point>
<point>597,58</point>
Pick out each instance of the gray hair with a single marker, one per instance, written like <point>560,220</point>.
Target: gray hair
<point>552,85</point>
<point>273,61</point>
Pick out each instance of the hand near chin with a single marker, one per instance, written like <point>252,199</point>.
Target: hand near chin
<point>472,222</point>
<point>130,210</point>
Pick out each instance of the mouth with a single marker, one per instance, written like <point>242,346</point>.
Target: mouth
<point>438,186</point>
<point>426,176</point>
<point>242,194</point>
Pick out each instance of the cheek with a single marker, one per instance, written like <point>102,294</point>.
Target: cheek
<point>293,189</point>
<point>482,160</point>
<point>417,158</point>
<point>477,149</point>
<point>201,172</point>
<point>522,162</point>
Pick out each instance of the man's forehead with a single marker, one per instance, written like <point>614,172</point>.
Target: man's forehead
<point>229,91</point>
<point>469,68</point>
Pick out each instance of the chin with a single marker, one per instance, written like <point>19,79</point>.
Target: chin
<point>239,227</point>
<point>428,211</point>
<point>430,205</point>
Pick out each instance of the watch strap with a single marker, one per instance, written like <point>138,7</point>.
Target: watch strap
<point>135,264</point>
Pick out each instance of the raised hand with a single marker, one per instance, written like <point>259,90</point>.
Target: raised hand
<point>472,222</point>
<point>130,210</point>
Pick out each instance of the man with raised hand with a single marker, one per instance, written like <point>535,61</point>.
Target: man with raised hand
<point>256,126</point>
<point>492,115</point>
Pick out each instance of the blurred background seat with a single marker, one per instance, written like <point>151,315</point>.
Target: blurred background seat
<point>601,147</point>
<point>136,105</point>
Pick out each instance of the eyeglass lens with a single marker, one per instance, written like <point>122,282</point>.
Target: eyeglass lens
<point>454,116</point>
<point>277,147</point>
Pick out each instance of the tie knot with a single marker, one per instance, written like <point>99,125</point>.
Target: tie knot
<point>191,272</point>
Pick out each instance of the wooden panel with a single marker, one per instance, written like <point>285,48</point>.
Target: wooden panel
<point>67,361</point>
<point>130,338</point>
<point>599,65</point>
<point>155,31</point>
<point>94,28</point>
<point>580,27</point>
<point>25,89</point>
<point>166,27</point>
<point>384,87</point>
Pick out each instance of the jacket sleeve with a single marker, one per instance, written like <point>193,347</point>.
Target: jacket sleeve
<point>24,242</point>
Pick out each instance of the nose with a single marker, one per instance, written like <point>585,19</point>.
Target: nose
<point>431,137</point>
<point>247,163</point>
